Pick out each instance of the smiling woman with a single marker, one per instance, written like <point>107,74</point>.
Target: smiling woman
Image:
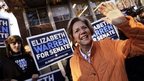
<point>104,60</point>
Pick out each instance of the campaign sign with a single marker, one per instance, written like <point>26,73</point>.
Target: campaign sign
<point>4,31</point>
<point>50,47</point>
<point>103,29</point>
<point>52,76</point>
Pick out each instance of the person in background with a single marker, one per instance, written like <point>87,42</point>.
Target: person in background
<point>104,60</point>
<point>140,12</point>
<point>17,65</point>
<point>136,12</point>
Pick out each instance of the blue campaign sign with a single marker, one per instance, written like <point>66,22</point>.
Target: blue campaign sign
<point>4,31</point>
<point>52,76</point>
<point>103,29</point>
<point>50,47</point>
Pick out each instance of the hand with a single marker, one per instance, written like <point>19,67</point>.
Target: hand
<point>112,13</point>
<point>14,80</point>
<point>35,77</point>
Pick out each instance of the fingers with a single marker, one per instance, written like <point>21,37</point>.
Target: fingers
<point>106,20</point>
<point>111,11</point>
<point>102,9</point>
<point>106,7</point>
<point>111,5</point>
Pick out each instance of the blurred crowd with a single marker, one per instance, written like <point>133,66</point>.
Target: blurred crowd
<point>136,12</point>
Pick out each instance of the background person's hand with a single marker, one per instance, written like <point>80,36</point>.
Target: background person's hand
<point>13,80</point>
<point>112,13</point>
<point>35,77</point>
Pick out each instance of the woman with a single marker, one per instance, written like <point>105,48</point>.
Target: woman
<point>17,65</point>
<point>104,60</point>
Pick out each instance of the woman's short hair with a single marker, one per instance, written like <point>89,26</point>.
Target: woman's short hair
<point>75,19</point>
<point>13,39</point>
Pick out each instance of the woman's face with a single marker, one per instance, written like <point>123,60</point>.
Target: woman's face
<point>142,15</point>
<point>81,33</point>
<point>15,47</point>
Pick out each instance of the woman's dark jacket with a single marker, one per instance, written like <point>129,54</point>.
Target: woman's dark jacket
<point>11,70</point>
